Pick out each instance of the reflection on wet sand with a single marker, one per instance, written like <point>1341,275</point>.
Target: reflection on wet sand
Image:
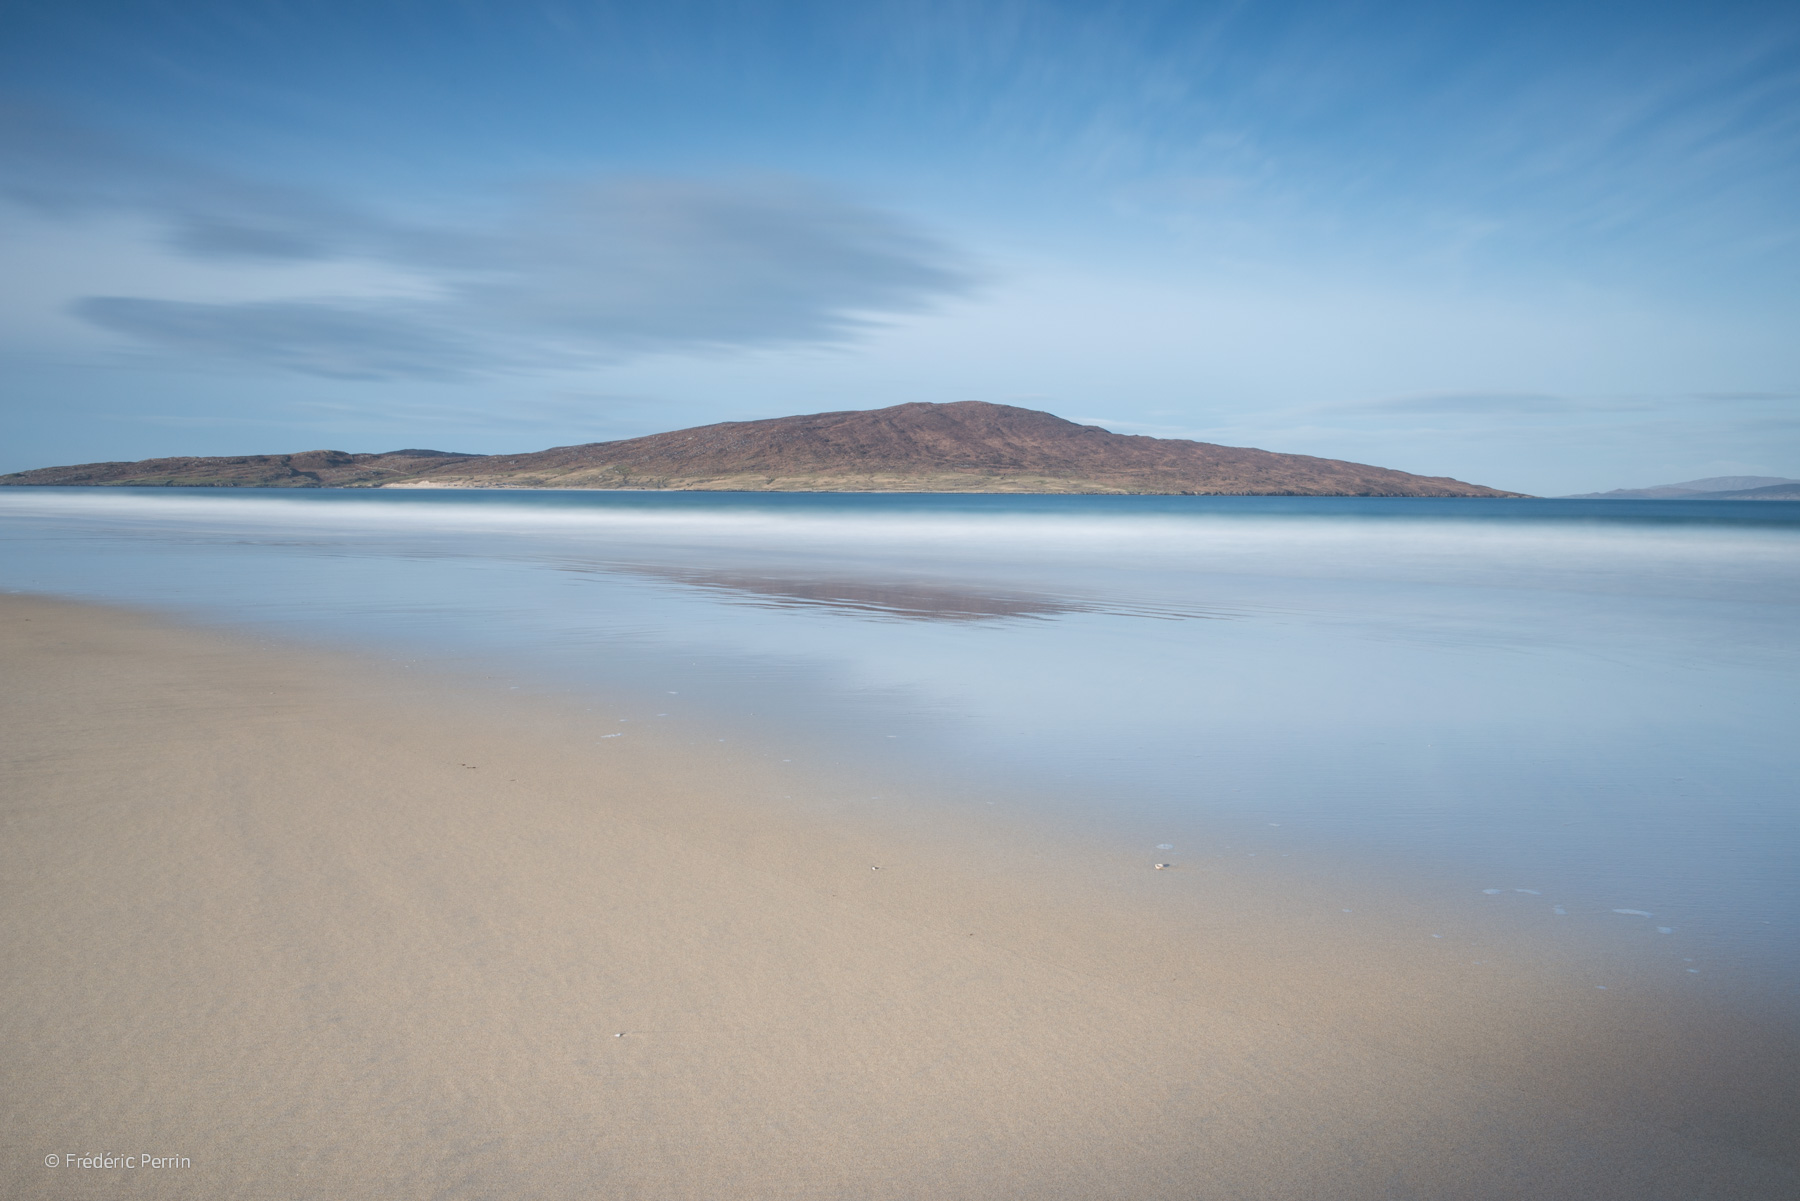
<point>892,598</point>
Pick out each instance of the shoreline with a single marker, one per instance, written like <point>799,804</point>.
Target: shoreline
<point>435,486</point>
<point>331,928</point>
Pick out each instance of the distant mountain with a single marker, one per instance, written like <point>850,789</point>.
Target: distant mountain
<point>969,446</point>
<point>1787,491</point>
<point>1718,487</point>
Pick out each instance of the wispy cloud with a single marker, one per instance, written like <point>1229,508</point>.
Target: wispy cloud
<point>62,168</point>
<point>585,268</point>
<point>340,340</point>
<point>1471,404</point>
<point>1487,405</point>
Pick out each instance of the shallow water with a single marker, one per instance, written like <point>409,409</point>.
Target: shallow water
<point>1561,707</point>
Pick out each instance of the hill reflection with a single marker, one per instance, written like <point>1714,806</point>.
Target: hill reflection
<point>890,599</point>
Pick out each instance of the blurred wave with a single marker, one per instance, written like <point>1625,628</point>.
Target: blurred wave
<point>1104,544</point>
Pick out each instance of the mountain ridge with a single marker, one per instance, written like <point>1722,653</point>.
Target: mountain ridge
<point>1717,487</point>
<point>964,446</point>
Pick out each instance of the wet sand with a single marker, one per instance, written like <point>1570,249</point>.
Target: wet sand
<point>319,927</point>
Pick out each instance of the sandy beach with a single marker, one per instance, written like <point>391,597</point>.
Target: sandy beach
<point>301,925</point>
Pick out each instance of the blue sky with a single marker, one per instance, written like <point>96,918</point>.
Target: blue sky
<point>1546,247</point>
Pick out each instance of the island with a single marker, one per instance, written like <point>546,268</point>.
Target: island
<point>966,446</point>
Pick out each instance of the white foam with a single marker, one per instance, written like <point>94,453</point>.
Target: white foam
<point>1323,547</point>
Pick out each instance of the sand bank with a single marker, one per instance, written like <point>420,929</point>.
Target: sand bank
<point>303,926</point>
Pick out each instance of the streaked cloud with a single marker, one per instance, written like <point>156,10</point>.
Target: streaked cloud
<point>318,339</point>
<point>580,269</point>
<point>63,168</point>
<point>1472,404</point>
<point>658,263</point>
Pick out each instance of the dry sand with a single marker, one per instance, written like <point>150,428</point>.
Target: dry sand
<point>322,929</point>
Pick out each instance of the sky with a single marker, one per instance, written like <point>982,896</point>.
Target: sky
<point>1546,247</point>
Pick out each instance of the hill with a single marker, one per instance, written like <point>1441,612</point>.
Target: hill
<point>1787,491</point>
<point>1718,487</point>
<point>308,469</point>
<point>968,446</point>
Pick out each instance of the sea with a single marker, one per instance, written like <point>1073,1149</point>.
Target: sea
<point>1558,710</point>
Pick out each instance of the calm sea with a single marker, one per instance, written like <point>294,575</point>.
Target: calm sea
<point>1562,708</point>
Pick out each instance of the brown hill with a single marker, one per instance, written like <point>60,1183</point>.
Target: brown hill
<point>308,469</point>
<point>969,446</point>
